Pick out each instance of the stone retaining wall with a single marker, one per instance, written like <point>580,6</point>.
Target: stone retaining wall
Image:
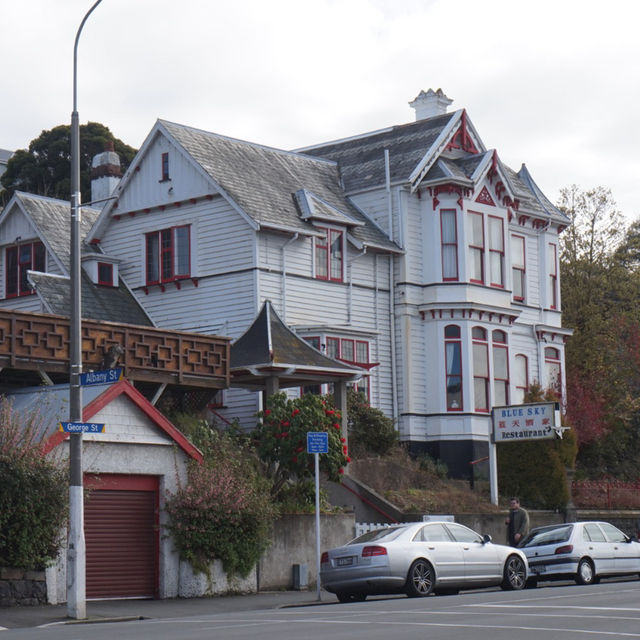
<point>22,588</point>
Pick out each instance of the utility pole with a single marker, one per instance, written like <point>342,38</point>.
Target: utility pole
<point>76,557</point>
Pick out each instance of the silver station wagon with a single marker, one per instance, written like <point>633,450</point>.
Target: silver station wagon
<point>420,559</point>
<point>582,551</point>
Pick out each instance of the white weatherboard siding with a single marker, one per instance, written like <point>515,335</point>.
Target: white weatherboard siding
<point>145,189</point>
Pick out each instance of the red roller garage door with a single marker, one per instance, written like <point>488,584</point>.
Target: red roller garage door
<point>121,533</point>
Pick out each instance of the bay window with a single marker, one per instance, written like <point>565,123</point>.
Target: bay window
<point>453,363</point>
<point>521,377</point>
<point>552,256</point>
<point>496,252</point>
<point>500,369</point>
<point>480,369</point>
<point>553,369</point>
<point>449,244</point>
<point>518,270</point>
<point>476,248</point>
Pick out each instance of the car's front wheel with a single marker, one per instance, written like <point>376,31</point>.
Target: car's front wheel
<point>585,573</point>
<point>420,579</point>
<point>514,574</point>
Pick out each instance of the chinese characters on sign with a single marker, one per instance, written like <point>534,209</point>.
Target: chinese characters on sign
<point>524,422</point>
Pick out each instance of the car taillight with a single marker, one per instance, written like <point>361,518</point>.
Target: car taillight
<point>567,548</point>
<point>324,557</point>
<point>367,552</point>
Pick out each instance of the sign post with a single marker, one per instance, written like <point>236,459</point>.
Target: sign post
<point>537,421</point>
<point>317,443</point>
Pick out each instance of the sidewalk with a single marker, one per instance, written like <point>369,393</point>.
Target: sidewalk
<point>114,610</point>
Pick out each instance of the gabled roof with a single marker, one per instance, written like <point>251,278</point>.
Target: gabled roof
<point>269,348</point>
<point>52,220</point>
<point>361,158</point>
<point>261,183</point>
<point>111,304</point>
<point>53,401</point>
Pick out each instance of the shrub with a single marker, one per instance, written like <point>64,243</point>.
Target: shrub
<point>536,471</point>
<point>224,511</point>
<point>33,492</point>
<point>370,431</point>
<point>281,438</point>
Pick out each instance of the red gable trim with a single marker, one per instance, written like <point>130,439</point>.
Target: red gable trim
<point>125,387</point>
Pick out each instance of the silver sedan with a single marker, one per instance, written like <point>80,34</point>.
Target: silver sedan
<point>583,551</point>
<point>418,559</point>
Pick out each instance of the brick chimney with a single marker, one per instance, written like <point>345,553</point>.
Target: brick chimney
<point>105,173</point>
<point>430,103</point>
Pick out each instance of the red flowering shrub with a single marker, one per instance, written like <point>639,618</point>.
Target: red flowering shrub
<point>281,438</point>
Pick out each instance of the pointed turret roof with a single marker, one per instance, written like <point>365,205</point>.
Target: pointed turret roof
<point>268,348</point>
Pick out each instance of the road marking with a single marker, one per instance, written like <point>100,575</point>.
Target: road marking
<point>327,621</point>
<point>550,606</point>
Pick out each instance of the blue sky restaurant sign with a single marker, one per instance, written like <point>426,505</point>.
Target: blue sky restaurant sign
<point>525,422</point>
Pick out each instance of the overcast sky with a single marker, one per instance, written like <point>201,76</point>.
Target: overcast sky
<point>552,83</point>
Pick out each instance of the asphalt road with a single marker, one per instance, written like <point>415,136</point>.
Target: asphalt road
<point>610,611</point>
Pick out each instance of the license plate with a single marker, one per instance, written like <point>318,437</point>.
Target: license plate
<point>538,569</point>
<point>344,562</point>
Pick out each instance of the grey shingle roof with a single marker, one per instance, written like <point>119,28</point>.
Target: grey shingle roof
<point>263,181</point>
<point>111,304</point>
<point>269,341</point>
<point>53,219</point>
<point>361,159</point>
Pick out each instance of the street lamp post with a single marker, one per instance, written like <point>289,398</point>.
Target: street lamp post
<point>76,575</point>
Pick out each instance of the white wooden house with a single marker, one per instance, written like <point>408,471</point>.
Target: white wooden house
<point>412,251</point>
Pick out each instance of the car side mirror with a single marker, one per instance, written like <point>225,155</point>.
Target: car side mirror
<point>486,538</point>
<point>632,539</point>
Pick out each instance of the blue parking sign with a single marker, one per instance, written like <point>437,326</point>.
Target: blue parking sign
<point>317,442</point>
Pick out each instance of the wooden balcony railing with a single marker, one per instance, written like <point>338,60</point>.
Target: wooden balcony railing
<point>33,341</point>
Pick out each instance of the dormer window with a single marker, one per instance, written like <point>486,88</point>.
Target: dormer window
<point>105,274</point>
<point>20,259</point>
<point>165,167</point>
<point>330,255</point>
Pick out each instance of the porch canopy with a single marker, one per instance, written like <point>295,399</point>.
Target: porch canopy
<point>269,356</point>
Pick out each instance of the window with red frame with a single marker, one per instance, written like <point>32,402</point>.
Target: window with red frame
<point>476,248</point>
<point>329,256</point>
<point>518,268</point>
<point>18,260</point>
<point>449,244</point>
<point>105,274</point>
<point>168,255</point>
<point>453,363</point>
<point>164,167</point>
<point>553,276</point>
<point>521,377</point>
<point>553,369</point>
<point>500,368</point>
<point>496,251</point>
<point>480,349</point>
<point>316,389</point>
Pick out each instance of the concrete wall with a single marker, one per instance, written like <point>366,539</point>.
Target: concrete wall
<point>294,542</point>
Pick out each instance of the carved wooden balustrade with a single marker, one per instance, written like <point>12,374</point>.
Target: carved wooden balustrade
<point>33,341</point>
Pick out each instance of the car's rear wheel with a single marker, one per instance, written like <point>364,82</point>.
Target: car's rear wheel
<point>514,574</point>
<point>351,596</point>
<point>420,579</point>
<point>585,573</point>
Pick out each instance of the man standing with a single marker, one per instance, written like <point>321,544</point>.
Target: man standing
<point>517,522</point>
